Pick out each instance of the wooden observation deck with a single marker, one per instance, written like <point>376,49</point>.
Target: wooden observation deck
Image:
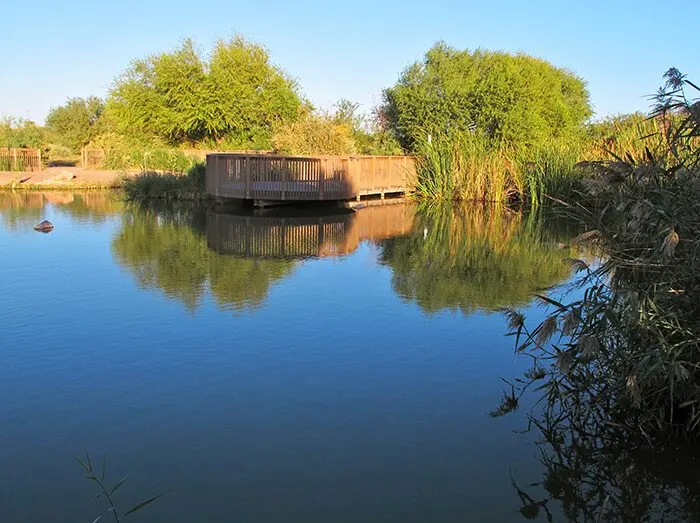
<point>269,179</point>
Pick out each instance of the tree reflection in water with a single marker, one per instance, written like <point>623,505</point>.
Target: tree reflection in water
<point>23,209</point>
<point>477,258</point>
<point>165,246</point>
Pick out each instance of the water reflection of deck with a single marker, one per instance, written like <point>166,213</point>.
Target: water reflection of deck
<point>300,236</point>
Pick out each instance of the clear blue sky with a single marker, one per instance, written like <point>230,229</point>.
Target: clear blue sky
<point>55,50</point>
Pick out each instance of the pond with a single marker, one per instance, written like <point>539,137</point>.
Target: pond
<point>293,365</point>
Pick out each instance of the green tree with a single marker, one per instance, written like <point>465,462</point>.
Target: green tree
<point>164,246</point>
<point>233,99</point>
<point>513,98</point>
<point>369,136</point>
<point>16,132</point>
<point>77,122</point>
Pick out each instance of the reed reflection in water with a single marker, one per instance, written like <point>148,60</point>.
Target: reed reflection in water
<point>478,258</point>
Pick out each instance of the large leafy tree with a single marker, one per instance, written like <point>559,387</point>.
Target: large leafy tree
<point>514,98</point>
<point>77,122</point>
<point>232,98</point>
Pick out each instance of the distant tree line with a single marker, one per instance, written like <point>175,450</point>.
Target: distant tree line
<point>235,98</point>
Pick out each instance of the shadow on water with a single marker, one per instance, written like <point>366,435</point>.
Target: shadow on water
<point>471,258</point>
<point>597,471</point>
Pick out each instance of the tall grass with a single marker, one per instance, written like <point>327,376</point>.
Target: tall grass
<point>628,351</point>
<point>469,166</point>
<point>169,186</point>
<point>10,164</point>
<point>164,160</point>
<point>465,166</point>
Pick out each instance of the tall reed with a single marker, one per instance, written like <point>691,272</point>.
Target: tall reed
<point>466,166</point>
<point>628,350</point>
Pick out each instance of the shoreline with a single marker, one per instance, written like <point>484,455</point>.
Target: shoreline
<point>62,178</point>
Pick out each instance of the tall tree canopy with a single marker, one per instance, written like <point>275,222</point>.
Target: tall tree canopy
<point>516,98</point>
<point>77,122</point>
<point>233,98</point>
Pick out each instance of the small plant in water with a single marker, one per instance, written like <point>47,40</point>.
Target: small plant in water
<point>108,492</point>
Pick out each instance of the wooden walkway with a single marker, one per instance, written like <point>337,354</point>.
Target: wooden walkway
<point>305,236</point>
<point>269,178</point>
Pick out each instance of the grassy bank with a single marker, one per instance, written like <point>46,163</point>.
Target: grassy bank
<point>467,166</point>
<point>169,186</point>
<point>470,166</point>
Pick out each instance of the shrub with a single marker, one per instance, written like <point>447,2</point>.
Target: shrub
<point>16,132</point>
<point>314,134</point>
<point>628,351</point>
<point>508,98</point>
<point>169,186</point>
<point>77,122</point>
<point>180,98</point>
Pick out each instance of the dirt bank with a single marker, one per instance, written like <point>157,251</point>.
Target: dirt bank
<point>61,178</point>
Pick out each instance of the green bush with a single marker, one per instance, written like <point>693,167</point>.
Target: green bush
<point>169,186</point>
<point>166,160</point>
<point>16,132</point>
<point>314,133</point>
<point>77,122</point>
<point>516,99</point>
<point>179,98</point>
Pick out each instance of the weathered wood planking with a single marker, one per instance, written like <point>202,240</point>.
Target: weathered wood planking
<point>307,178</point>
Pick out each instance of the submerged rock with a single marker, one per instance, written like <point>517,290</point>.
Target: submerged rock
<point>45,226</point>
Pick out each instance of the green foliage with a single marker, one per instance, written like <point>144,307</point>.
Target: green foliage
<point>628,350</point>
<point>508,98</point>
<point>146,160</point>
<point>77,122</point>
<point>16,132</point>
<point>164,245</point>
<point>474,258</point>
<point>468,166</point>
<point>369,136</point>
<point>178,97</point>
<point>314,133</point>
<point>168,185</point>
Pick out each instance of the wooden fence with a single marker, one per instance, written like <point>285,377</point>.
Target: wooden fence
<point>306,178</point>
<point>20,159</point>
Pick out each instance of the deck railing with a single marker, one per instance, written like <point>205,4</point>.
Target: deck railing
<point>20,159</point>
<point>281,178</point>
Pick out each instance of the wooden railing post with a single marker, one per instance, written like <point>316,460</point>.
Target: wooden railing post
<point>284,179</point>
<point>246,173</point>
<point>321,182</point>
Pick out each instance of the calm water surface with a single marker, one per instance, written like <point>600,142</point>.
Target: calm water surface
<point>297,367</point>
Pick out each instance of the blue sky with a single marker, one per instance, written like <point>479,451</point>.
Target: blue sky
<point>55,50</point>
